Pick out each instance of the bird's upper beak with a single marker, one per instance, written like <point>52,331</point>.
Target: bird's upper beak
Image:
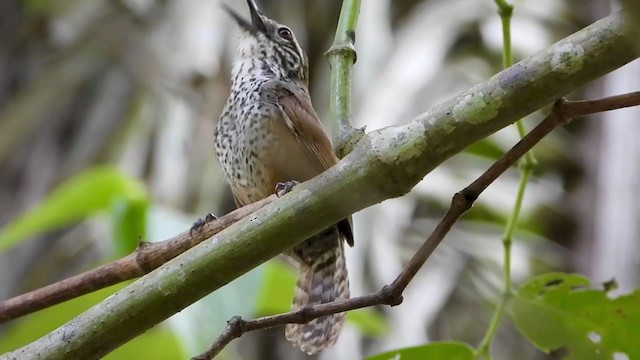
<point>257,24</point>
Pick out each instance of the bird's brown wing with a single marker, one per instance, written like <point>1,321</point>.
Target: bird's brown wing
<point>303,123</point>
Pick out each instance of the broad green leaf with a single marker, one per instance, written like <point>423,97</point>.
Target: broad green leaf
<point>92,191</point>
<point>559,310</point>
<point>277,289</point>
<point>277,293</point>
<point>370,322</point>
<point>130,224</point>
<point>433,351</point>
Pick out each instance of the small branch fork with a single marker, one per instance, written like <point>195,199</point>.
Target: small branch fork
<point>562,113</point>
<point>146,258</point>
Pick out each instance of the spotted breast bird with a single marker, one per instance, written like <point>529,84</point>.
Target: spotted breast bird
<point>268,135</point>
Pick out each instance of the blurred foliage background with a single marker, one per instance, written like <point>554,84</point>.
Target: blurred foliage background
<point>107,111</point>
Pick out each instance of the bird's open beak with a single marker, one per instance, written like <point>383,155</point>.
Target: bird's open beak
<point>257,24</point>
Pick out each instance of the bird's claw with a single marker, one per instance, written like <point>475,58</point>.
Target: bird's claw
<point>283,188</point>
<point>198,224</point>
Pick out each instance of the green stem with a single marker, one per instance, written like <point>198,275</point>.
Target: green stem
<point>505,10</point>
<point>342,56</point>
<point>485,345</point>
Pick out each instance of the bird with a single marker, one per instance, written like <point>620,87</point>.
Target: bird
<point>269,138</point>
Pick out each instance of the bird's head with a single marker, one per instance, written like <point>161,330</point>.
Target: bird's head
<point>271,44</point>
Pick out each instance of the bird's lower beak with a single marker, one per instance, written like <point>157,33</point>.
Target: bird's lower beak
<point>257,24</point>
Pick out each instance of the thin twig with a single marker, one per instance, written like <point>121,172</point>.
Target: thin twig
<point>146,258</point>
<point>562,113</point>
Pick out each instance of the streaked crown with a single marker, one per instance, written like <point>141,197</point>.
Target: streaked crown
<point>274,46</point>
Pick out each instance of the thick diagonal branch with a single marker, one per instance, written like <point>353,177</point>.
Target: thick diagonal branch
<point>562,113</point>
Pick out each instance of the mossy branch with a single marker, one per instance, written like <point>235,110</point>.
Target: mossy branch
<point>385,164</point>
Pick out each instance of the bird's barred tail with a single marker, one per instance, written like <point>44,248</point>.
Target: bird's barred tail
<point>323,278</point>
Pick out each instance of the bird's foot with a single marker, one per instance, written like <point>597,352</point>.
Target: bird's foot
<point>283,188</point>
<point>197,226</point>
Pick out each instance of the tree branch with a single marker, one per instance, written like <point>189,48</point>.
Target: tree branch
<point>562,113</point>
<point>146,258</point>
<point>386,163</point>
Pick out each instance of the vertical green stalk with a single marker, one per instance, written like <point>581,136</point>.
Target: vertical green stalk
<point>342,56</point>
<point>505,10</point>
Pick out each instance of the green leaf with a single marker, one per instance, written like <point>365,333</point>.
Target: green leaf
<point>130,224</point>
<point>560,311</point>
<point>433,351</point>
<point>277,292</point>
<point>277,289</point>
<point>87,193</point>
<point>370,322</point>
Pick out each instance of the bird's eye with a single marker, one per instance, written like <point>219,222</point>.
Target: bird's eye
<point>285,33</point>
